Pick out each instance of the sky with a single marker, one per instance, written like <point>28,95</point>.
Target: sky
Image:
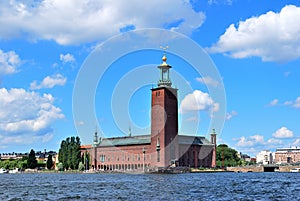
<point>72,67</point>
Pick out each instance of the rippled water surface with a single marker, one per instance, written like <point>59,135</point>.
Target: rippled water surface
<point>193,186</point>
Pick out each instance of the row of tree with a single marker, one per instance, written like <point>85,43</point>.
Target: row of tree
<point>26,162</point>
<point>69,157</point>
<point>69,154</point>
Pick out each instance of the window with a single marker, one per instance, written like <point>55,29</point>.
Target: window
<point>102,158</point>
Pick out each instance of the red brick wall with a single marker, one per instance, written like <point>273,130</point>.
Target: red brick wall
<point>195,156</point>
<point>164,125</point>
<point>121,158</point>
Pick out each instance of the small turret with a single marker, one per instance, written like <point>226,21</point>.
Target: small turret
<point>96,138</point>
<point>129,131</point>
<point>213,137</point>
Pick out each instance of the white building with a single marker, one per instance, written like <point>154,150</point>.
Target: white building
<point>264,157</point>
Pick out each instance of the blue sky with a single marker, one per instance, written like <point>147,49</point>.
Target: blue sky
<point>250,52</point>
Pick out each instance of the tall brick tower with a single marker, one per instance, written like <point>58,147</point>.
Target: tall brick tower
<point>164,119</point>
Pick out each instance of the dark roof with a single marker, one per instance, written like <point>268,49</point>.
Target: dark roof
<point>128,140</point>
<point>195,140</point>
<point>146,139</point>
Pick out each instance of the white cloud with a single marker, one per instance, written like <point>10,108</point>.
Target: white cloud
<point>26,139</point>
<point>293,103</point>
<point>66,58</point>
<point>192,119</point>
<point>226,2</point>
<point>231,114</point>
<point>26,116</point>
<point>257,140</point>
<point>283,132</point>
<point>296,142</point>
<point>271,36</point>
<point>49,82</point>
<point>288,103</point>
<point>296,103</point>
<point>76,21</point>
<point>273,141</point>
<point>198,101</point>
<point>9,61</point>
<point>208,81</point>
<point>249,142</point>
<point>273,102</point>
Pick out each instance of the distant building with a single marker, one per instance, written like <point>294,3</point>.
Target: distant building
<point>160,149</point>
<point>41,156</point>
<point>264,157</point>
<point>11,156</point>
<point>245,157</point>
<point>287,155</point>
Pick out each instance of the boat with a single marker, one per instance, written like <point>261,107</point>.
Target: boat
<point>14,171</point>
<point>2,171</point>
<point>295,170</point>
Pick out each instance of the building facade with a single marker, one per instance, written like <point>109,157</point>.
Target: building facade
<point>264,157</point>
<point>287,155</point>
<point>160,149</point>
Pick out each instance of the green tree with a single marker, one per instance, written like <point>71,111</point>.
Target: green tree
<point>62,154</point>
<point>49,162</point>
<point>60,167</point>
<point>69,153</point>
<point>31,162</point>
<point>81,166</point>
<point>76,154</point>
<point>85,159</point>
<point>227,156</point>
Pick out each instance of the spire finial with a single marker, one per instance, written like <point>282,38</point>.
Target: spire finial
<point>164,58</point>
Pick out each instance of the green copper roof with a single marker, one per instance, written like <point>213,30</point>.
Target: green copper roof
<point>146,139</point>
<point>128,140</point>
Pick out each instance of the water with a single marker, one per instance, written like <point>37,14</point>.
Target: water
<point>193,186</point>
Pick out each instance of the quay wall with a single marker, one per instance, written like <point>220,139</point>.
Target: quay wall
<point>261,168</point>
<point>246,169</point>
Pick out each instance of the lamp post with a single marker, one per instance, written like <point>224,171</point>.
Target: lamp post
<point>144,151</point>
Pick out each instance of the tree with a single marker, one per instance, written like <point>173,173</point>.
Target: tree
<point>76,153</point>
<point>81,166</point>
<point>60,167</point>
<point>32,162</point>
<point>227,156</point>
<point>49,162</point>
<point>85,159</point>
<point>22,163</point>
<point>69,153</point>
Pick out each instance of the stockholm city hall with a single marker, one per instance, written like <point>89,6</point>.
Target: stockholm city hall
<point>161,149</point>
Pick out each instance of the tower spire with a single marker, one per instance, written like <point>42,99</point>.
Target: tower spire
<point>164,79</point>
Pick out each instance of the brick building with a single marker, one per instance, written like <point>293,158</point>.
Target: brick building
<point>162,148</point>
<point>287,155</point>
